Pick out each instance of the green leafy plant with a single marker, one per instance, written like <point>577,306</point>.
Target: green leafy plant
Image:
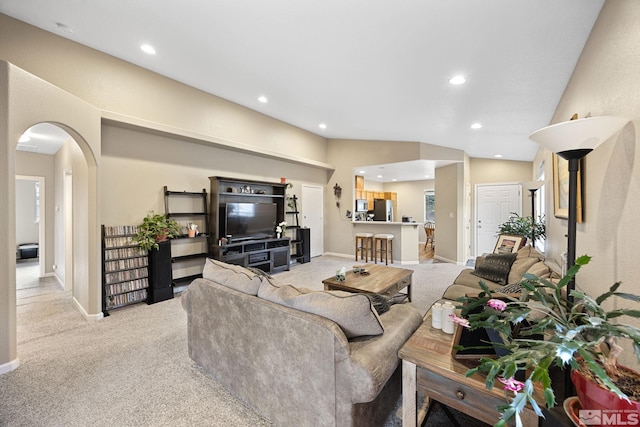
<point>521,226</point>
<point>155,228</point>
<point>552,330</point>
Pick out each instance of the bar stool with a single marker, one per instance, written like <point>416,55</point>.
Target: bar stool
<point>364,243</point>
<point>383,243</point>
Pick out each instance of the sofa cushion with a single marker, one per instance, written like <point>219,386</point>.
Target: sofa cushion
<point>232,276</point>
<point>495,267</point>
<point>353,312</point>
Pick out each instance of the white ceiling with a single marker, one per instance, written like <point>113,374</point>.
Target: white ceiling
<point>368,69</point>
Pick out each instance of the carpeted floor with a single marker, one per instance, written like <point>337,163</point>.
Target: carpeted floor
<point>132,367</point>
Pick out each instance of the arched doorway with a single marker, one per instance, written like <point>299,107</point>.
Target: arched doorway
<point>30,100</point>
<point>43,153</point>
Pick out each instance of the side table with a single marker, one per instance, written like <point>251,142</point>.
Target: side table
<point>429,368</point>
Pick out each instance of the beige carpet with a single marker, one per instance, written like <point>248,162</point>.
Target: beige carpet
<point>132,367</point>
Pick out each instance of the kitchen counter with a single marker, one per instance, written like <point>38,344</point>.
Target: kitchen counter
<point>405,237</point>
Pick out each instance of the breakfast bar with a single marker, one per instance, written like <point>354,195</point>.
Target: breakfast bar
<point>405,237</point>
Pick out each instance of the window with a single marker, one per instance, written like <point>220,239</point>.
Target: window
<point>429,205</point>
<point>37,197</point>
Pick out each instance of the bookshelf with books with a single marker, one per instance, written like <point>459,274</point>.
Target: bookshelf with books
<point>125,272</point>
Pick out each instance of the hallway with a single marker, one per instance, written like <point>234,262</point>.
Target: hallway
<point>43,306</point>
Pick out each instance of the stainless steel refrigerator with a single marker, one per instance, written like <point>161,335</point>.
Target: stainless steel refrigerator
<point>382,210</point>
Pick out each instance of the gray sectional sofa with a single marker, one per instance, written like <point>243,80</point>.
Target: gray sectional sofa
<point>299,357</point>
<point>498,275</point>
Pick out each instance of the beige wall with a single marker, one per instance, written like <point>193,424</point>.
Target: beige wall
<point>410,198</point>
<point>345,155</point>
<point>495,171</point>
<point>605,82</point>
<point>137,165</point>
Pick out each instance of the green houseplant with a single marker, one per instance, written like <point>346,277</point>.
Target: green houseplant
<point>521,226</point>
<point>155,228</point>
<point>552,330</point>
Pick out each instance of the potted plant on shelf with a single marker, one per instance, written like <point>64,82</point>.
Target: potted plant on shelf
<point>521,226</point>
<point>155,228</point>
<point>553,330</point>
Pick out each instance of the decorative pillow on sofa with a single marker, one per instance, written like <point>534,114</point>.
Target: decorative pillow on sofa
<point>354,313</point>
<point>232,276</point>
<point>514,288</point>
<point>495,267</point>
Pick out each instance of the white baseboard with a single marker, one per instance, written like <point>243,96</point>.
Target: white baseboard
<point>9,366</point>
<point>87,316</point>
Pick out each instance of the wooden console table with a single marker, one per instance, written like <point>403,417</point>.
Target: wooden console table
<point>429,369</point>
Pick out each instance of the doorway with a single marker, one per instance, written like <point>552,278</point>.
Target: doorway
<point>30,223</point>
<point>312,216</point>
<point>494,205</point>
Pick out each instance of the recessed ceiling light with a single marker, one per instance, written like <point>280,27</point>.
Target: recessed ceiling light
<point>394,180</point>
<point>476,126</point>
<point>379,176</point>
<point>498,156</point>
<point>147,48</point>
<point>457,80</point>
<point>263,99</point>
<point>362,172</point>
<point>427,176</point>
<point>322,126</point>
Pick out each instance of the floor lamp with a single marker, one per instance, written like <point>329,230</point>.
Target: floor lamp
<point>532,186</point>
<point>572,141</point>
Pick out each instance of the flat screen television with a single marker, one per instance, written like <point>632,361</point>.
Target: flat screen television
<point>245,221</point>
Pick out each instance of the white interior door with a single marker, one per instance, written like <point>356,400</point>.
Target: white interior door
<point>494,205</point>
<point>312,217</point>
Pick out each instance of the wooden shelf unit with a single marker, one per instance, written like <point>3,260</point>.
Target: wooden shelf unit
<point>125,272</point>
<point>188,254</point>
<point>300,245</point>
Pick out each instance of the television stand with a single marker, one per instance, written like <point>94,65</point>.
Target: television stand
<point>269,255</point>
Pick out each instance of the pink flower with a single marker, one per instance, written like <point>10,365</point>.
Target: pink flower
<point>512,384</point>
<point>497,304</point>
<point>460,321</point>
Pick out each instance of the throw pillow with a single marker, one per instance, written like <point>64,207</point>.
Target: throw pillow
<point>495,267</point>
<point>354,313</point>
<point>380,303</point>
<point>232,276</point>
<point>514,288</point>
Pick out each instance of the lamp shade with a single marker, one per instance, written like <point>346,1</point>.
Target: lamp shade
<point>580,134</point>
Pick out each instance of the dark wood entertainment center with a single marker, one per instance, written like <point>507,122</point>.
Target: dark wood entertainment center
<point>268,254</point>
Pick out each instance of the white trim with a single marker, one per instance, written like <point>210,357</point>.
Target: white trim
<point>87,316</point>
<point>9,366</point>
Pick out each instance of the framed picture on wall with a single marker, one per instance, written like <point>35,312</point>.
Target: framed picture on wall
<point>561,188</point>
<point>508,244</point>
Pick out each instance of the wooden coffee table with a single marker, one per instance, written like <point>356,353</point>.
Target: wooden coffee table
<point>429,369</point>
<point>383,280</point>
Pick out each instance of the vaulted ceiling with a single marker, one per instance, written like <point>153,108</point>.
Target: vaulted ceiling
<point>366,69</point>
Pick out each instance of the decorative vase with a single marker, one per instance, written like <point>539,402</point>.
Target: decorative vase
<point>593,396</point>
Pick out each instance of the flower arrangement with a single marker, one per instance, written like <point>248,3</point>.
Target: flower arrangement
<point>281,227</point>
<point>544,327</point>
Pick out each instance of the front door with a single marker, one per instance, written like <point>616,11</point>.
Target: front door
<point>494,205</point>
